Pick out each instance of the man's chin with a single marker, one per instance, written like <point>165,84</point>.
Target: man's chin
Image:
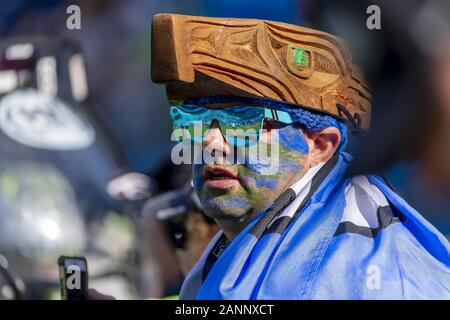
<point>225,207</point>
<point>218,192</point>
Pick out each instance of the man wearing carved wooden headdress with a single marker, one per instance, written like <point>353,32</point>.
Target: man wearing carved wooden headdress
<point>293,225</point>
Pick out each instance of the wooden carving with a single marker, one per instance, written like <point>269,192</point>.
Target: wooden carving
<point>200,56</point>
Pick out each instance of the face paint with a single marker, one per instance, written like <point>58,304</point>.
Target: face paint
<point>291,141</point>
<point>267,183</point>
<point>251,190</point>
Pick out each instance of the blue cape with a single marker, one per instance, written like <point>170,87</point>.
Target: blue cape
<point>352,238</point>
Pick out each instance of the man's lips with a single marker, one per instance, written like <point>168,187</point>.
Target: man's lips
<point>219,177</point>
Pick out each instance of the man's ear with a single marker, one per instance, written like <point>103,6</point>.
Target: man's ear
<point>322,144</point>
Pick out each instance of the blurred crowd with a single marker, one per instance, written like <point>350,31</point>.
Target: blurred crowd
<point>106,189</point>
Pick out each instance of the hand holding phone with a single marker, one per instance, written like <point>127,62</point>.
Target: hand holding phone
<point>73,277</point>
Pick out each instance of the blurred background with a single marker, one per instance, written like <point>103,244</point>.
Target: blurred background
<point>85,134</point>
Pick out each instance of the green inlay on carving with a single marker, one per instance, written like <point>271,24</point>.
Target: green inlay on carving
<point>301,58</point>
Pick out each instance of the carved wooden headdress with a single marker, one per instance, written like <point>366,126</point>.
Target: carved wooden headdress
<point>200,56</point>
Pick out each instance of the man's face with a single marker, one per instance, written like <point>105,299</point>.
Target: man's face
<point>239,191</point>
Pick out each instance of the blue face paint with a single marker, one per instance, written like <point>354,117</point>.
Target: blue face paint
<point>197,181</point>
<point>287,165</point>
<point>269,183</point>
<point>293,139</point>
<point>235,202</point>
<point>255,190</point>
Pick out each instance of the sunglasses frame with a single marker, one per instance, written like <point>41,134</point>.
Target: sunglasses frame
<point>269,113</point>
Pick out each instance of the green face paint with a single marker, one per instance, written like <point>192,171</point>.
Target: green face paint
<point>250,190</point>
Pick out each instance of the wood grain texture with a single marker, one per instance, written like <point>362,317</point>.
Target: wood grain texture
<point>202,56</point>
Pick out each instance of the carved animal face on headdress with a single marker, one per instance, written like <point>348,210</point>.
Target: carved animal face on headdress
<point>199,56</point>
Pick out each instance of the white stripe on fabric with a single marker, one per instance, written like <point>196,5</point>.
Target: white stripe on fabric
<point>362,202</point>
<point>307,177</point>
<point>301,189</point>
<point>372,190</point>
<point>291,209</point>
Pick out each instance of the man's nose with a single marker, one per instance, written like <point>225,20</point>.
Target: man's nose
<point>214,139</point>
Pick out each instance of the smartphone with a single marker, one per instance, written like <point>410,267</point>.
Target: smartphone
<point>73,278</point>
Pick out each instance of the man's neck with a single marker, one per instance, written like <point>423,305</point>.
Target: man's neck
<point>232,227</point>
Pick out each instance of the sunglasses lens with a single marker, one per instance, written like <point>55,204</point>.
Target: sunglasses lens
<point>241,126</point>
